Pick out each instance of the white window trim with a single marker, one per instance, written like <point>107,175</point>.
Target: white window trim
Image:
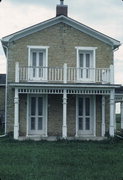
<point>82,48</point>
<point>38,48</point>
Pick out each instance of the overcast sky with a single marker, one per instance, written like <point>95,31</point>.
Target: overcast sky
<point>105,16</point>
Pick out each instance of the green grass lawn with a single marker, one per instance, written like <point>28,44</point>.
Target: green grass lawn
<point>62,160</point>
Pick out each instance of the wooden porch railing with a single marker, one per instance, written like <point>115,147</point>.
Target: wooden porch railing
<point>64,74</point>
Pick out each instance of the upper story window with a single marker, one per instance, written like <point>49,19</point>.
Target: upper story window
<point>86,63</point>
<point>37,62</point>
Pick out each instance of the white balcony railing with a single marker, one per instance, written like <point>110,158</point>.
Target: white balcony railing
<point>64,74</point>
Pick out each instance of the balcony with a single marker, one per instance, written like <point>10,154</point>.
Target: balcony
<point>64,74</point>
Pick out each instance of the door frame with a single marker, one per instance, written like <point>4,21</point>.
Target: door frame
<point>43,132</point>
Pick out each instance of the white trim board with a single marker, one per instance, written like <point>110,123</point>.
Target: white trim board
<point>82,85</point>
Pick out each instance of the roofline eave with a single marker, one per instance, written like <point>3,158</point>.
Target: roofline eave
<point>62,19</point>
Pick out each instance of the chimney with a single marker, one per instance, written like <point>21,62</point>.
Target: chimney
<point>61,9</point>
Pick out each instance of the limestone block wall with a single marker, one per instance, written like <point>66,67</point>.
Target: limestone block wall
<point>55,115</point>
<point>71,115</point>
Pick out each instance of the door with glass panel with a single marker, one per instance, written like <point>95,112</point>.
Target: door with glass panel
<point>85,66</point>
<point>36,115</point>
<point>38,66</point>
<point>85,115</point>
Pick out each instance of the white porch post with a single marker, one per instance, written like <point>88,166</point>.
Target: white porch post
<point>121,106</point>
<point>16,115</point>
<point>112,113</point>
<point>64,127</point>
<point>103,116</point>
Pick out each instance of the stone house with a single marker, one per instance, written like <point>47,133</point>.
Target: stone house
<point>60,80</point>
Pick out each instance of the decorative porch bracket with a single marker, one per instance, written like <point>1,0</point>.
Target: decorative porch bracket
<point>64,127</point>
<point>16,115</point>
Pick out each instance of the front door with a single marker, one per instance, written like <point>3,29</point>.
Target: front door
<point>37,115</point>
<point>85,115</point>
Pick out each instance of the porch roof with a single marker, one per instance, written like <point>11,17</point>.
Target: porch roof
<point>58,88</point>
<point>71,85</point>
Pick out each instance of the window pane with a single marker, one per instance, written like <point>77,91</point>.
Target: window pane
<point>33,106</point>
<point>87,73</point>
<point>40,59</point>
<point>32,123</point>
<point>41,65</point>
<point>87,106</point>
<point>81,60</point>
<point>80,123</point>
<point>80,106</point>
<point>81,73</point>
<point>40,106</point>
<point>87,60</point>
<point>40,123</point>
<point>34,63</point>
<point>87,124</point>
<point>34,59</point>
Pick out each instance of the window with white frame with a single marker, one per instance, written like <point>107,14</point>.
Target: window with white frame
<point>86,64</point>
<point>37,62</point>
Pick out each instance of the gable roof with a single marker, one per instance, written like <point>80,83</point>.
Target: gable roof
<point>62,19</point>
<point>2,79</point>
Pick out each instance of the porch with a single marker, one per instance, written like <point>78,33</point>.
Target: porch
<point>77,112</point>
